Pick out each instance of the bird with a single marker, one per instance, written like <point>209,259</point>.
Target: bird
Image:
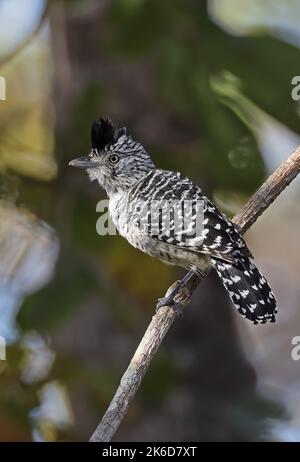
<point>165,215</point>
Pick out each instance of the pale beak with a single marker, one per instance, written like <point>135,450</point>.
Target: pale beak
<point>83,162</point>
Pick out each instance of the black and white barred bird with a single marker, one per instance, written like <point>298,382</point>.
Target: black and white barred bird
<point>166,216</point>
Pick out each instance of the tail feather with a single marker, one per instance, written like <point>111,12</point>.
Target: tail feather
<point>248,289</point>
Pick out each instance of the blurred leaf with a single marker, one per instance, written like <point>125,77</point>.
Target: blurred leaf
<point>52,305</point>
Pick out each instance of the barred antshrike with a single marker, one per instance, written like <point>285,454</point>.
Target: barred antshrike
<point>169,230</point>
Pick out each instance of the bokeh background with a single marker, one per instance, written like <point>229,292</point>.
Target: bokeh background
<point>206,86</point>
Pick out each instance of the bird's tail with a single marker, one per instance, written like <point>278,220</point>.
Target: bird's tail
<point>248,289</point>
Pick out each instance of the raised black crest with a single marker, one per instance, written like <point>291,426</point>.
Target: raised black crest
<point>104,133</point>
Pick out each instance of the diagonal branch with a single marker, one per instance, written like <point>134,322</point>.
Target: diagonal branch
<point>163,320</point>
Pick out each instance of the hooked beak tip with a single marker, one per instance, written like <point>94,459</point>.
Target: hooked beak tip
<point>82,162</point>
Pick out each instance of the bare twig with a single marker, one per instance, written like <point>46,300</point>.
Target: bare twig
<point>163,320</point>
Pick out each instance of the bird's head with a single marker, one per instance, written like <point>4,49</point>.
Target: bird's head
<point>115,160</point>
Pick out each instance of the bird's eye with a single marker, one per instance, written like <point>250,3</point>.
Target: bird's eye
<point>114,159</point>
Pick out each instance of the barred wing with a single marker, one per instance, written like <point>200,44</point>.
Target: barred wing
<point>171,209</point>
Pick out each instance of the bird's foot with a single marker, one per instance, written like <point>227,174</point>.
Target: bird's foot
<point>169,301</point>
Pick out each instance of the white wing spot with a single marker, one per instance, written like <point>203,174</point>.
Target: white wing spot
<point>244,293</point>
<point>218,240</point>
<point>227,281</point>
<point>204,232</point>
<point>235,278</point>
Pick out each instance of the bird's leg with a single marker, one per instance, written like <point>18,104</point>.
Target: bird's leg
<point>173,291</point>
